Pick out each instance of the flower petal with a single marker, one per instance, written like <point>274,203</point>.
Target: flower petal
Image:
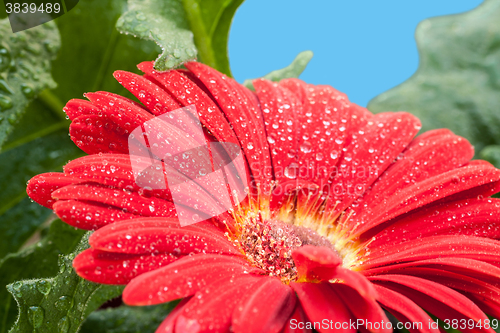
<point>321,302</point>
<point>430,154</point>
<point>266,309</point>
<point>183,278</point>
<point>279,109</point>
<point>465,182</point>
<point>297,321</point>
<point>78,107</point>
<point>469,267</point>
<point>363,308</point>
<point>211,309</point>
<point>441,301</point>
<point>157,100</point>
<point>315,262</point>
<point>245,116</point>
<point>98,134</point>
<point>135,238</point>
<point>405,310</point>
<point>116,268</point>
<point>369,153</point>
<point>40,187</point>
<point>89,215</point>
<point>129,201</point>
<point>187,93</point>
<point>168,325</point>
<point>470,217</point>
<point>435,247</point>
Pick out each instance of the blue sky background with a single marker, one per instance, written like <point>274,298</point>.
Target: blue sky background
<point>361,47</point>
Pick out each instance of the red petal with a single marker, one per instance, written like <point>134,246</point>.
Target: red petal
<point>89,215</point>
<point>168,325</point>
<point>455,182</point>
<point>210,310</point>
<point>113,268</point>
<point>471,217</point>
<point>320,302</point>
<point>245,116</point>
<point>315,262</point>
<point>183,278</point>
<point>130,202</point>
<point>372,149</point>
<point>97,134</point>
<point>464,266</point>
<point>113,170</point>
<point>152,96</point>
<point>120,110</point>
<point>464,284</point>
<point>356,281</point>
<point>40,187</point>
<point>428,155</point>
<point>435,247</point>
<point>405,310</point>
<point>133,237</point>
<point>441,301</point>
<point>77,107</point>
<point>266,309</point>
<point>366,309</point>
<point>279,109</point>
<point>297,322</point>
<point>188,93</point>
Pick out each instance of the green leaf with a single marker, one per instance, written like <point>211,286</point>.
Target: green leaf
<point>127,319</point>
<point>491,154</point>
<point>182,28</point>
<point>457,84</point>
<point>164,22</point>
<point>25,63</point>
<point>61,303</point>
<point>19,217</point>
<point>37,261</point>
<point>210,22</point>
<point>293,70</point>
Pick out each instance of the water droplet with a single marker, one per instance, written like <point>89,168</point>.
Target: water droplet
<point>12,119</point>
<point>5,59</point>
<point>140,28</point>
<point>5,103</point>
<point>35,316</point>
<point>62,303</point>
<point>177,53</point>
<point>250,146</point>
<point>63,325</point>
<point>17,286</point>
<point>140,16</point>
<point>43,286</point>
<point>306,147</point>
<point>6,88</point>
<point>291,171</point>
<point>27,90</point>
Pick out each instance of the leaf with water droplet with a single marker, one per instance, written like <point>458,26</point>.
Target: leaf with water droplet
<point>183,28</point>
<point>293,70</point>
<point>64,307</point>
<point>35,262</point>
<point>457,84</point>
<point>23,74</point>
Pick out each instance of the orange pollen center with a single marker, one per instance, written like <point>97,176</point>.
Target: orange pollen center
<point>268,244</point>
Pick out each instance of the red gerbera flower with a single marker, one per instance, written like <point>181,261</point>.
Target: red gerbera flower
<point>348,214</point>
